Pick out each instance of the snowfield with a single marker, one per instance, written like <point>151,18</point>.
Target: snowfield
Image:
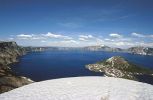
<point>82,88</point>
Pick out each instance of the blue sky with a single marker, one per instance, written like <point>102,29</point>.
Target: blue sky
<point>117,23</point>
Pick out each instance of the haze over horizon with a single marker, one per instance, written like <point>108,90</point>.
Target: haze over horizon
<point>77,23</point>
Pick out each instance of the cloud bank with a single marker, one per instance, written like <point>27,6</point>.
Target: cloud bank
<point>112,39</point>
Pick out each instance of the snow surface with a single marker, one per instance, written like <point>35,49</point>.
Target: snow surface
<point>82,88</point>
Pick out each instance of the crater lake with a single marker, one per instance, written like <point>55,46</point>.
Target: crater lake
<point>59,64</point>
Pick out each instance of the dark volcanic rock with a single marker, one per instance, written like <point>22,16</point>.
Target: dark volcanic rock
<point>9,52</point>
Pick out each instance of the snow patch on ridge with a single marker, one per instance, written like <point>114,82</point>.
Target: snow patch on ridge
<point>82,88</point>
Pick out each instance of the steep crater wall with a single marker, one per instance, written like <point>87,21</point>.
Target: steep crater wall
<point>9,52</point>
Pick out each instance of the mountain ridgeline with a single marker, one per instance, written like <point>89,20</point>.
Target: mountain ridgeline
<point>133,50</point>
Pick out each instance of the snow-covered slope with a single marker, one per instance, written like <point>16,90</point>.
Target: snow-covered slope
<point>82,88</point>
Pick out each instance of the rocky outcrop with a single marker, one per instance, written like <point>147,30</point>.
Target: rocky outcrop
<point>9,52</point>
<point>118,67</point>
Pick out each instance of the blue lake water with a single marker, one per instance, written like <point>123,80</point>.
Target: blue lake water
<point>58,64</point>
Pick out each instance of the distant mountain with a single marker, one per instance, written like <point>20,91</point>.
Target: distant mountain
<point>98,48</point>
<point>102,48</point>
<point>35,49</point>
<point>133,50</point>
<point>68,48</point>
<point>141,50</point>
<point>117,66</point>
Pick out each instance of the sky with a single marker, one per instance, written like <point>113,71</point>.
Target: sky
<point>77,23</point>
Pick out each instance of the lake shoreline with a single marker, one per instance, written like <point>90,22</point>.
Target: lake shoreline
<point>72,63</point>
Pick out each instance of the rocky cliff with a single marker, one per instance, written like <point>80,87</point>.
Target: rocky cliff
<point>119,67</point>
<point>9,52</point>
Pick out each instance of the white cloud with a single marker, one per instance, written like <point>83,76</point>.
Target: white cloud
<point>69,41</point>
<point>30,37</point>
<point>43,41</point>
<point>64,43</point>
<point>24,36</point>
<point>138,35</point>
<point>107,39</point>
<point>86,36</point>
<point>119,43</point>
<point>83,39</point>
<point>51,35</point>
<point>115,35</point>
<point>37,38</point>
<point>151,36</point>
<point>42,36</point>
<point>141,35</point>
<point>113,40</point>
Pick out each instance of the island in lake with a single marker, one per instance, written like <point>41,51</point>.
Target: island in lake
<point>119,67</point>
